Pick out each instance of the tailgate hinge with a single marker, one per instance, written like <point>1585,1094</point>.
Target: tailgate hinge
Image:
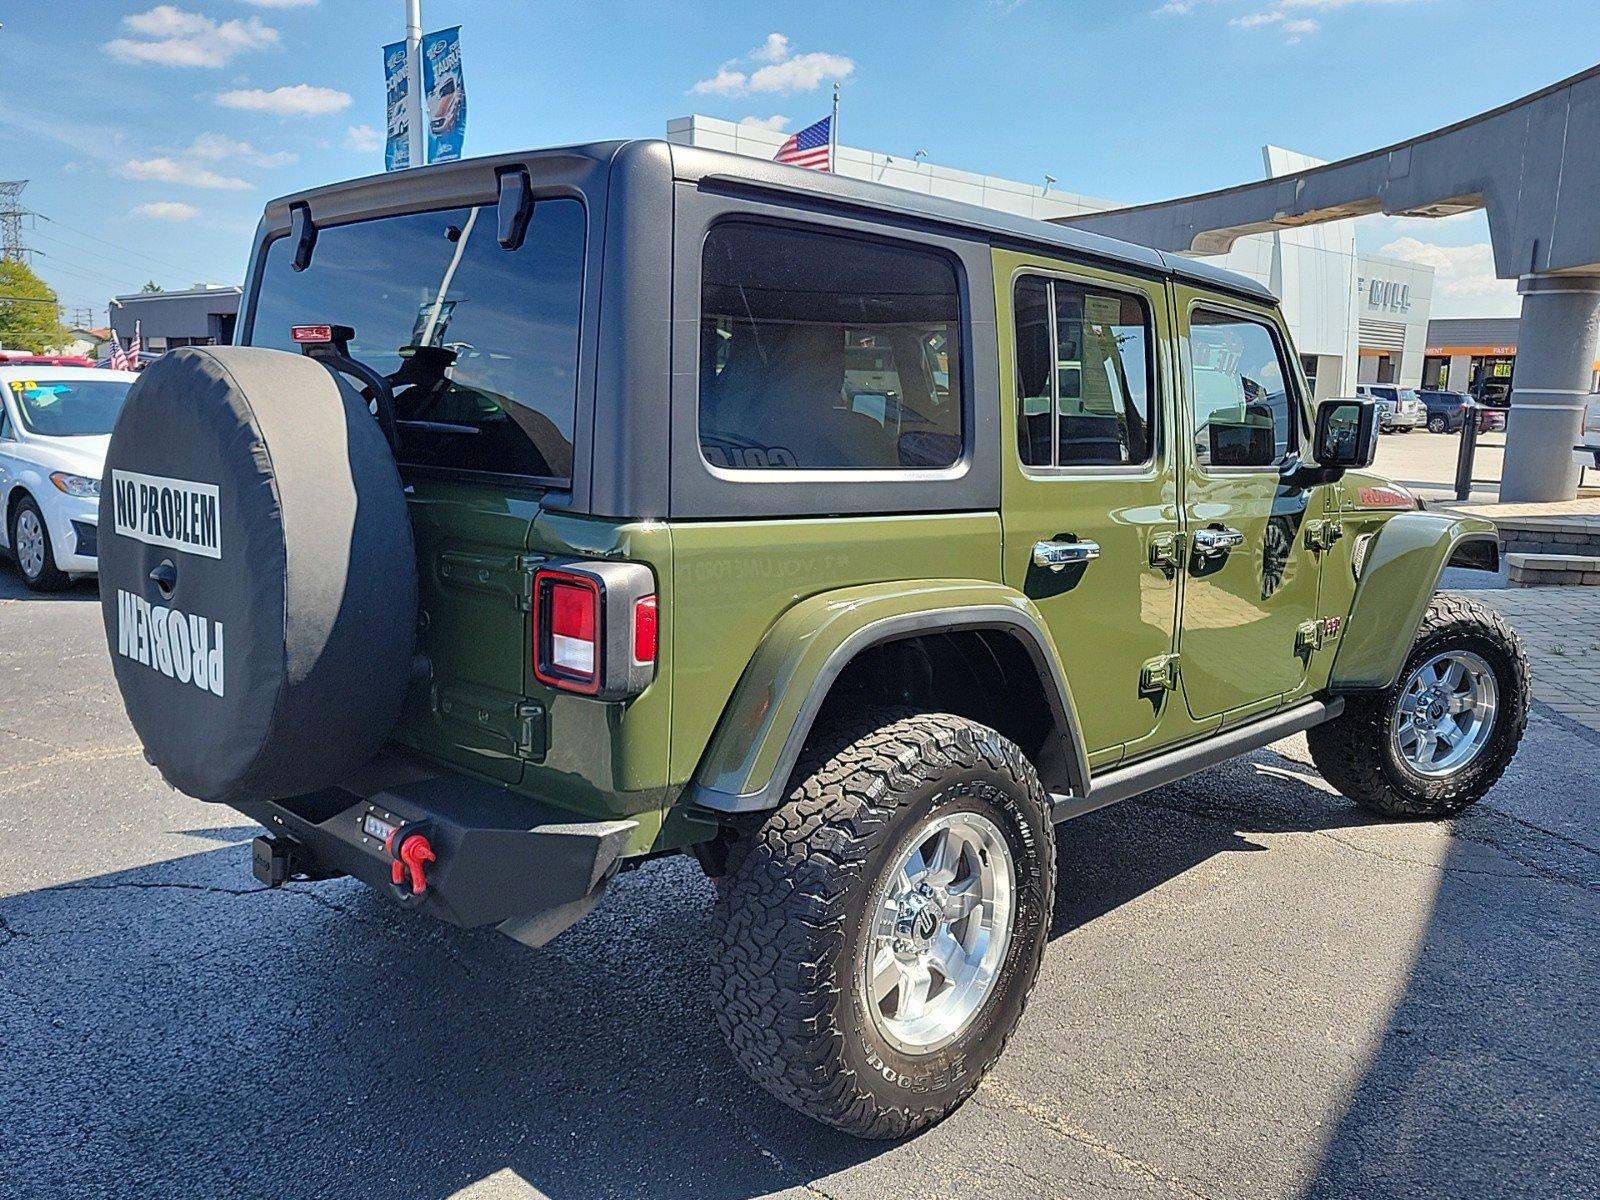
<point>510,576</point>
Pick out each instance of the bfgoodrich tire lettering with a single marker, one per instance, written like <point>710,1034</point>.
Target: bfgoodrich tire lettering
<point>1358,756</point>
<point>793,922</point>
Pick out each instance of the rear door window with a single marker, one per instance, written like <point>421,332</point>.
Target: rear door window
<point>821,351</point>
<point>480,343</point>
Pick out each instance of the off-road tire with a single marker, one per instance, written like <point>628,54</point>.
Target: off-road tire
<point>50,577</point>
<point>792,920</point>
<point>1355,754</point>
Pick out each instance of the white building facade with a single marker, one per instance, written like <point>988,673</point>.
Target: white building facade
<point>1356,318</point>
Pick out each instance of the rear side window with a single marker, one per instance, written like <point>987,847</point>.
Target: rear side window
<point>480,343</point>
<point>1084,367</point>
<point>1243,413</point>
<point>820,351</point>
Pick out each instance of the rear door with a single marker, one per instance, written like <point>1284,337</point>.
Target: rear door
<point>1089,486</point>
<point>480,345</point>
<point>1251,579</point>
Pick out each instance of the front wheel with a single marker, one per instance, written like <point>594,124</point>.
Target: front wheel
<point>1442,735</point>
<point>1437,424</point>
<point>880,933</point>
<point>30,542</point>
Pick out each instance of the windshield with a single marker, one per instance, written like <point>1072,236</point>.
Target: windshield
<point>69,407</point>
<point>479,343</point>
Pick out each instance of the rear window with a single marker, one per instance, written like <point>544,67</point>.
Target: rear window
<point>821,351</point>
<point>479,343</point>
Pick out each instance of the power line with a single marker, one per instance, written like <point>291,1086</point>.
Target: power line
<point>121,262</point>
<point>114,245</point>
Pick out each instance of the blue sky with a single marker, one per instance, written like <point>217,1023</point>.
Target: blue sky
<point>152,133</point>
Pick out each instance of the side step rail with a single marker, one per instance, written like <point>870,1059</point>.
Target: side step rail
<point>1173,765</point>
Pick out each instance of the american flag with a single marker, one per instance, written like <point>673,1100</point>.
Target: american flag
<point>134,347</point>
<point>808,148</point>
<point>119,358</point>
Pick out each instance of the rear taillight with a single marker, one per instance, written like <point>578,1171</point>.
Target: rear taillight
<point>568,649</point>
<point>595,628</point>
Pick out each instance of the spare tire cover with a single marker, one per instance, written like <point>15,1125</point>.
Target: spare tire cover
<point>257,575</point>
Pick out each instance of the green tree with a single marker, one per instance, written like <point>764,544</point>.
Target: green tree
<point>30,315</point>
<point>152,286</point>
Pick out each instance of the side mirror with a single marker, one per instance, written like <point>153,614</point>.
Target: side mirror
<point>1347,434</point>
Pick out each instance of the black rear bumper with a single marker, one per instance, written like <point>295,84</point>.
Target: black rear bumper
<point>501,858</point>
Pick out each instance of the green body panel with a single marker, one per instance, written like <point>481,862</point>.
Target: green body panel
<point>735,579</point>
<point>771,698</point>
<point>1399,575</point>
<point>469,537</point>
<point>1112,615</point>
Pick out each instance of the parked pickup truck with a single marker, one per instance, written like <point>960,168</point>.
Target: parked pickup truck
<point>541,523</point>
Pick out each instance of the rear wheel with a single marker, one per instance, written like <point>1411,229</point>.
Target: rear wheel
<point>1442,735</point>
<point>880,933</point>
<point>30,542</point>
<point>1437,423</point>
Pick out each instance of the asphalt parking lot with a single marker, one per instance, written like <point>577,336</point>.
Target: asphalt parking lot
<point>1252,991</point>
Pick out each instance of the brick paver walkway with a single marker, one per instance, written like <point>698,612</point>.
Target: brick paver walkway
<point>1561,628</point>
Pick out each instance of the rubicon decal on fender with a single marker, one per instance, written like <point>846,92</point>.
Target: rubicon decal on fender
<point>182,647</point>
<point>167,512</point>
<point>1388,496</point>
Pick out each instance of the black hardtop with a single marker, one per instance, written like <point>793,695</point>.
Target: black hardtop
<point>473,181</point>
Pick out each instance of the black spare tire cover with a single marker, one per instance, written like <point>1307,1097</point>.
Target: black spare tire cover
<point>257,575</point>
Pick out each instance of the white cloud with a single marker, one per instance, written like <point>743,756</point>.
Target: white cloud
<point>802,73</point>
<point>165,169</point>
<point>1280,14</point>
<point>296,100</point>
<point>169,36</point>
<point>1464,282</point>
<point>166,210</point>
<point>280,3</point>
<point>1251,20</point>
<point>219,147</point>
<point>780,70</point>
<point>1175,8</point>
<point>774,49</point>
<point>773,124</point>
<point>363,137</point>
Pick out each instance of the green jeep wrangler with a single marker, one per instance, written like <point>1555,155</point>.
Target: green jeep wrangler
<point>559,511</point>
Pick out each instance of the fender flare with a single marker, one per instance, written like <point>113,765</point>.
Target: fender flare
<point>764,726</point>
<point>1398,578</point>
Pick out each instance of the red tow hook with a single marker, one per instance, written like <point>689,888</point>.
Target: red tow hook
<point>413,853</point>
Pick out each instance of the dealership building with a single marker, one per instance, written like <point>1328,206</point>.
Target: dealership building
<point>1477,356</point>
<point>1356,318</point>
<point>203,315</point>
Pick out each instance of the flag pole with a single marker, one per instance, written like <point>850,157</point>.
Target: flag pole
<point>415,108</point>
<point>833,134</point>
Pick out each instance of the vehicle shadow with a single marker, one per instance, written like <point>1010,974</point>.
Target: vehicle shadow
<point>12,587</point>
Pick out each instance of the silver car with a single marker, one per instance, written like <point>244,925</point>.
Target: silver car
<point>1398,408</point>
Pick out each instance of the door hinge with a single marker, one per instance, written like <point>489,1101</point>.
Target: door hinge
<point>497,720</point>
<point>1308,637</point>
<point>1322,533</point>
<point>1166,552</point>
<point>1160,674</point>
<point>510,576</point>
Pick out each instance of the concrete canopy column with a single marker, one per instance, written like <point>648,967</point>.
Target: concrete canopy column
<point>1556,342</point>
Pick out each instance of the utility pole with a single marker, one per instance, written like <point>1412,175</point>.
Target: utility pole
<point>11,214</point>
<point>415,108</point>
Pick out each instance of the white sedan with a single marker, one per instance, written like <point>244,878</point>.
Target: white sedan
<point>55,425</point>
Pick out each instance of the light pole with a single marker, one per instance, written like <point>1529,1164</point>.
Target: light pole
<point>414,106</point>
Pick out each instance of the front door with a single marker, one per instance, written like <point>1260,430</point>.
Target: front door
<point>1090,488</point>
<point>1251,579</point>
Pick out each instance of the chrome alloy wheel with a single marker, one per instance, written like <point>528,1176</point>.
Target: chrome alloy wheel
<point>1446,713</point>
<point>30,543</point>
<point>941,924</point>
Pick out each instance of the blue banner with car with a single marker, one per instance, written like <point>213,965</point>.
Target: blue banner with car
<point>444,93</point>
<point>397,85</point>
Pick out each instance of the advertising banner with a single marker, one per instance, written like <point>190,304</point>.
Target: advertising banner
<point>444,96</point>
<point>397,83</point>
